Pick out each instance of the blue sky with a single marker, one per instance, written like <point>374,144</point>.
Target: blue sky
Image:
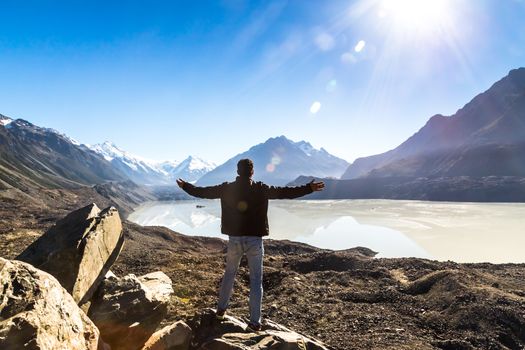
<point>164,79</point>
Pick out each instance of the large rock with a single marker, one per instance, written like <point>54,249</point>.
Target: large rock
<point>173,337</point>
<point>234,334</point>
<point>79,249</point>
<point>128,310</point>
<point>37,313</point>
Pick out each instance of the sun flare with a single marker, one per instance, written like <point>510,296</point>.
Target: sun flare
<point>416,15</point>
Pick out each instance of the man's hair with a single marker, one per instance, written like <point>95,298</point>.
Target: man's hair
<point>245,167</point>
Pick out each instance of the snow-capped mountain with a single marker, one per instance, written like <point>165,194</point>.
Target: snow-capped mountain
<point>278,161</point>
<point>136,168</point>
<point>4,121</point>
<point>190,169</point>
<point>36,157</point>
<point>148,172</point>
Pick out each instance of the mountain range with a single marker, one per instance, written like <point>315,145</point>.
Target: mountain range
<point>147,172</point>
<point>38,157</point>
<point>479,149</point>
<point>278,161</point>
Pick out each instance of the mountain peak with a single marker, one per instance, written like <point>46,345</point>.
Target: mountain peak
<point>109,144</point>
<point>108,150</point>
<point>279,139</point>
<point>278,161</point>
<point>306,147</point>
<point>5,120</point>
<point>190,169</point>
<point>518,71</point>
<point>195,163</point>
<point>517,76</point>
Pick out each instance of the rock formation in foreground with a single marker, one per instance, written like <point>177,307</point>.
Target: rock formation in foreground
<point>234,334</point>
<point>36,312</point>
<point>176,336</point>
<point>79,249</point>
<point>128,310</point>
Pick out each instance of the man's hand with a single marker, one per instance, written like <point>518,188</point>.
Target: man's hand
<point>181,183</point>
<point>316,186</point>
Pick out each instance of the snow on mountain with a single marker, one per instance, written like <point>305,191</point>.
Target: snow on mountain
<point>306,147</point>
<point>190,169</point>
<point>278,161</point>
<point>136,168</point>
<point>148,172</point>
<point>4,121</point>
<point>70,139</point>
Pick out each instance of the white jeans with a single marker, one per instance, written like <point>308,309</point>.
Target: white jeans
<point>253,248</point>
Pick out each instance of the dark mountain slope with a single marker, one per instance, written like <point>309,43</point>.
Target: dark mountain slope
<point>491,126</point>
<point>35,157</point>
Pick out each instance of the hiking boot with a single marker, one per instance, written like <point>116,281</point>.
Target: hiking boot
<point>254,327</point>
<point>220,314</point>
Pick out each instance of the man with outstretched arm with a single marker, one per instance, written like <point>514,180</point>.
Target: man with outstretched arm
<point>244,209</point>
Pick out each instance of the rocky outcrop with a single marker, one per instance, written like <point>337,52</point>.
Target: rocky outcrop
<point>36,312</point>
<point>128,310</point>
<point>173,337</point>
<point>234,334</point>
<point>79,249</point>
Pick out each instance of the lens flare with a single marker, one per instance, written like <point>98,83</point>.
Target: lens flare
<point>360,46</point>
<point>315,107</point>
<point>242,206</point>
<point>331,86</point>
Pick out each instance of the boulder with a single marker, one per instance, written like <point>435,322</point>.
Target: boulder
<point>128,310</point>
<point>79,249</point>
<point>232,334</point>
<point>173,337</point>
<point>36,312</point>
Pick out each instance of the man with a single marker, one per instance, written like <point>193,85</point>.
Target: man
<point>244,208</point>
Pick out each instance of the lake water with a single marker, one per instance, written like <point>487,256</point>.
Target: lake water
<point>462,232</point>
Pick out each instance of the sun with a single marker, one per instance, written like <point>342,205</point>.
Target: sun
<point>418,16</point>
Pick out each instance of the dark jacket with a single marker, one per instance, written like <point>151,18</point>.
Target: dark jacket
<point>244,203</point>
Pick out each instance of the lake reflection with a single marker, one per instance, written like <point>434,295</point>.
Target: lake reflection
<point>463,232</point>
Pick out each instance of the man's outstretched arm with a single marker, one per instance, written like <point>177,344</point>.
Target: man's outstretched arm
<point>210,192</point>
<point>274,192</point>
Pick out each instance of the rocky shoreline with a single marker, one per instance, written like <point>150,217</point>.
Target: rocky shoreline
<point>346,299</point>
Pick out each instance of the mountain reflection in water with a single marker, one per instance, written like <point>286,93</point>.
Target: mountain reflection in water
<point>462,232</point>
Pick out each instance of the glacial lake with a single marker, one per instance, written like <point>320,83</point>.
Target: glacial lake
<point>462,232</point>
